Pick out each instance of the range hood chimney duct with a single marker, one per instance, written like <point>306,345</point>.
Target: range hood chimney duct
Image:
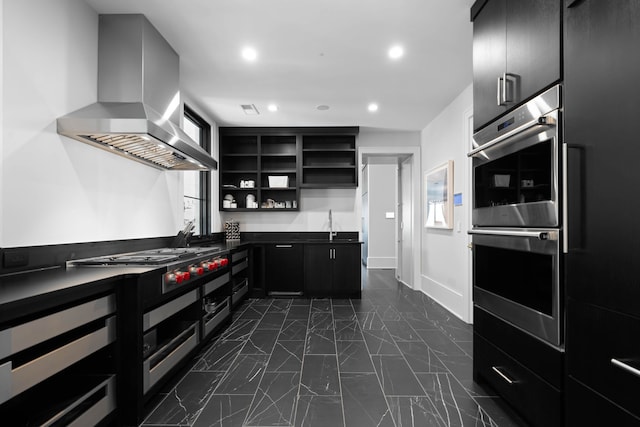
<point>138,99</point>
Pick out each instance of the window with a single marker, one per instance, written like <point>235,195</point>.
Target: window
<point>197,188</point>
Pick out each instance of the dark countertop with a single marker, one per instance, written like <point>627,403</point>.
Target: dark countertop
<point>21,294</point>
<point>28,292</point>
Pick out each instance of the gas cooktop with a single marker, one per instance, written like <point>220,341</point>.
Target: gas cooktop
<point>148,257</point>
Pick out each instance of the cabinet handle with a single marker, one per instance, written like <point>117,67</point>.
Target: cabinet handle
<point>503,375</point>
<point>499,92</point>
<point>620,364</point>
<point>284,246</point>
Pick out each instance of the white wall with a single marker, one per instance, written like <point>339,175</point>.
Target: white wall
<point>54,189</point>
<point>445,256</point>
<point>383,185</point>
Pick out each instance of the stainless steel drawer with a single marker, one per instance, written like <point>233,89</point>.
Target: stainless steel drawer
<point>15,380</point>
<point>239,255</point>
<point>157,315</point>
<point>168,356</point>
<point>217,318</point>
<point>239,267</point>
<point>216,283</point>
<point>240,291</point>
<point>25,335</point>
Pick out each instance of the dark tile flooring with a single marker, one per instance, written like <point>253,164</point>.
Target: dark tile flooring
<point>393,358</point>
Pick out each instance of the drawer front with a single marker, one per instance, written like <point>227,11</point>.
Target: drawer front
<point>603,352</point>
<point>544,360</point>
<point>28,334</point>
<point>15,380</point>
<point>601,412</point>
<point>236,256</point>
<point>524,390</point>
<point>239,267</point>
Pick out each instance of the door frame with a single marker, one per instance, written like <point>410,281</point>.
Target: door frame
<point>403,151</point>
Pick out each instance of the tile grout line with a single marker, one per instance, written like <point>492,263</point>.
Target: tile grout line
<point>211,345</point>
<point>335,344</point>
<point>449,373</point>
<point>269,358</point>
<point>304,345</point>
<point>374,368</point>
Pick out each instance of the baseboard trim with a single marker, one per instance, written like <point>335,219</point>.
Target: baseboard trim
<point>449,298</point>
<point>381,262</point>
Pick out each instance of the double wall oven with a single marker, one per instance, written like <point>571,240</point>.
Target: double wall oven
<point>517,217</point>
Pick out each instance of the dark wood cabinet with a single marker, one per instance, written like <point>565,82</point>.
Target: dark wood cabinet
<point>601,109</point>
<point>516,53</point>
<point>535,399</point>
<point>603,353</point>
<point>601,113</point>
<point>525,371</point>
<point>270,165</point>
<point>259,165</point>
<point>283,269</point>
<point>329,160</point>
<point>332,269</point>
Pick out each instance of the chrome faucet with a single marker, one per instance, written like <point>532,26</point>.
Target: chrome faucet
<point>331,232</point>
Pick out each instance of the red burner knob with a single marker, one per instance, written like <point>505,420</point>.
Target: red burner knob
<point>199,271</point>
<point>179,277</point>
<point>186,275</point>
<point>224,262</point>
<point>216,264</point>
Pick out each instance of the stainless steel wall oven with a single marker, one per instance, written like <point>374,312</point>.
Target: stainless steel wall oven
<point>516,167</point>
<point>518,217</point>
<point>517,278</point>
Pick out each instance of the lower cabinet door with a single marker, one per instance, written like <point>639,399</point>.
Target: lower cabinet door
<point>585,407</point>
<point>346,270</point>
<point>317,270</point>
<point>603,352</point>
<point>284,269</point>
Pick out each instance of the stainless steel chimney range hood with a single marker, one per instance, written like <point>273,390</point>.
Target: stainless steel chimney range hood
<point>138,99</point>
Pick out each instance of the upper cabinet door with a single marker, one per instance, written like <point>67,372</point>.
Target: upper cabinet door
<point>516,54</point>
<point>489,61</point>
<point>533,46</point>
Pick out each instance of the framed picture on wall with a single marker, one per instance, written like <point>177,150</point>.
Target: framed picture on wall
<point>438,192</point>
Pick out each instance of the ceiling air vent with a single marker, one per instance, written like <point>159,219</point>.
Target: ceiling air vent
<point>250,109</point>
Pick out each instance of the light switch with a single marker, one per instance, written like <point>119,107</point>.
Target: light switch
<point>390,215</point>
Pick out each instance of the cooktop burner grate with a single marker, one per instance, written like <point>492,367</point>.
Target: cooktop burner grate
<point>148,257</point>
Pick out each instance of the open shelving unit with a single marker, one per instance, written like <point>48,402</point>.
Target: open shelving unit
<point>329,161</point>
<point>303,157</point>
<point>252,154</point>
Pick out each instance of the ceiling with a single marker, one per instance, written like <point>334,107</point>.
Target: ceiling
<point>312,53</point>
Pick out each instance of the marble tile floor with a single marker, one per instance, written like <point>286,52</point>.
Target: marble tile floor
<point>393,358</point>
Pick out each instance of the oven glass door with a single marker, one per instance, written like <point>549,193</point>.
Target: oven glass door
<point>516,181</point>
<point>516,278</point>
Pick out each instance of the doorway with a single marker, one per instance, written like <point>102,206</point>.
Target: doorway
<point>406,215</point>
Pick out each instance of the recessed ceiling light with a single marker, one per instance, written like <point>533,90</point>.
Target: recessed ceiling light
<point>249,53</point>
<point>373,107</point>
<point>322,107</point>
<point>272,107</point>
<point>396,52</point>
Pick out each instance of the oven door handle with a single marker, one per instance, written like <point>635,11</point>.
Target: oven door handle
<point>540,235</point>
<point>540,121</point>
